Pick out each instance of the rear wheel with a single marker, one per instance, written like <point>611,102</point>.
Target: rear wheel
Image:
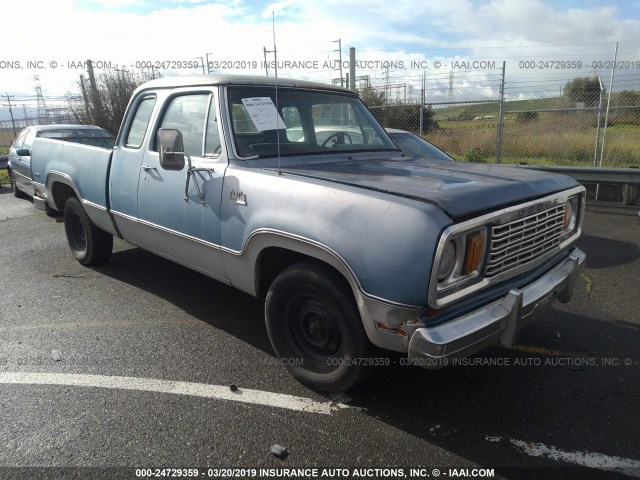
<point>89,244</point>
<point>315,328</point>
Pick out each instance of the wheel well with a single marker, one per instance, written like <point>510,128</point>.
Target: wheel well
<point>274,260</point>
<point>61,193</point>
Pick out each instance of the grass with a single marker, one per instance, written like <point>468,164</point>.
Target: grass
<point>3,173</point>
<point>552,139</point>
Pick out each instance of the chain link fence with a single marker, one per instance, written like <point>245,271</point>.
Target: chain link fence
<point>24,113</point>
<point>581,126</point>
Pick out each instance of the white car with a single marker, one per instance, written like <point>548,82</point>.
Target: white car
<point>414,146</point>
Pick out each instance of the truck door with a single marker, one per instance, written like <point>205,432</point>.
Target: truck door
<point>21,165</point>
<point>125,167</point>
<point>185,225</point>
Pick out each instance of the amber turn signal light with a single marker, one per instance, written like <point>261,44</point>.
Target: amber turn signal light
<point>473,256</point>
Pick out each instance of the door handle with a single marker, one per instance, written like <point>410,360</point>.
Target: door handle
<point>147,168</point>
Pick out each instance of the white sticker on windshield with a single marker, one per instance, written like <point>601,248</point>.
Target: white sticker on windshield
<point>263,113</point>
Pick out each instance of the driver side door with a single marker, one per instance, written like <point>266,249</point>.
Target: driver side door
<point>184,224</point>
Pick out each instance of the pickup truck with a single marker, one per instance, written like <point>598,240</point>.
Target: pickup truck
<point>291,191</point>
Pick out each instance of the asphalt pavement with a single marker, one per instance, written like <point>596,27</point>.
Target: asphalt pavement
<point>130,366</point>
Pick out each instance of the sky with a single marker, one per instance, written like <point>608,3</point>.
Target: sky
<point>541,41</point>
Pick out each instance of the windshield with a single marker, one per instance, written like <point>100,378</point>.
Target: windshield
<point>305,122</point>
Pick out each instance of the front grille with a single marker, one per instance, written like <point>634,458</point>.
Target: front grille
<point>524,240</point>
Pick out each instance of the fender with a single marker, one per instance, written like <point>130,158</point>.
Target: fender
<point>97,213</point>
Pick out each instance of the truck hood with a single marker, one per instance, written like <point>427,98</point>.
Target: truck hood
<point>460,189</point>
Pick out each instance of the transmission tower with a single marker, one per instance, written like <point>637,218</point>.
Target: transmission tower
<point>42,113</point>
<point>450,97</point>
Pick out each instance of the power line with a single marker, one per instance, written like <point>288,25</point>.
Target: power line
<point>9,97</point>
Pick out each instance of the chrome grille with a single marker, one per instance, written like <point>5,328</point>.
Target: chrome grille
<point>524,240</point>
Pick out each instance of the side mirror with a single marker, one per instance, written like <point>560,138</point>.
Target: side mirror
<point>23,152</point>
<point>171,149</point>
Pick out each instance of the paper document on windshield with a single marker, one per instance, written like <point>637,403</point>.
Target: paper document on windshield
<point>263,113</point>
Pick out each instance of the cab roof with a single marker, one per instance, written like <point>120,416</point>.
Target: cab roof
<point>219,79</point>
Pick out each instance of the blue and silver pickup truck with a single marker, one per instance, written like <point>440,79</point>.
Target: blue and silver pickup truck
<point>292,191</point>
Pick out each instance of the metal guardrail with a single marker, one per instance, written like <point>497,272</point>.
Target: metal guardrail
<point>628,177</point>
<point>624,176</point>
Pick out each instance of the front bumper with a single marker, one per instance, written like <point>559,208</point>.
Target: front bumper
<point>497,322</point>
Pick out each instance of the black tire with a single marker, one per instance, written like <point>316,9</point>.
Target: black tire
<point>50,212</point>
<point>16,191</point>
<point>89,244</point>
<point>315,328</point>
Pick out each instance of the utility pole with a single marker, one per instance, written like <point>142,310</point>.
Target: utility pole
<point>202,61</point>
<point>85,97</point>
<point>422,98</point>
<point>208,68</point>
<point>386,84</point>
<point>595,152</point>
<point>8,97</point>
<point>352,69</point>
<point>98,110</point>
<point>606,115</point>
<point>339,42</point>
<point>500,118</point>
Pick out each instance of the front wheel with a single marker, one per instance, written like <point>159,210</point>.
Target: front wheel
<point>315,328</point>
<point>16,191</point>
<point>89,244</point>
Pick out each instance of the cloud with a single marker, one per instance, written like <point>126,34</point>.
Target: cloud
<point>126,31</point>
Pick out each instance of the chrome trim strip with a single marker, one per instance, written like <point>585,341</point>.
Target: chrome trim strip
<point>166,230</point>
<point>21,175</point>
<point>94,205</point>
<point>124,215</point>
<point>61,174</point>
<point>502,216</point>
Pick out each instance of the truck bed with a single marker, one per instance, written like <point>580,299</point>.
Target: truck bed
<point>87,165</point>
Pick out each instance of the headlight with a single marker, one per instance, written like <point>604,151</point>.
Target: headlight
<point>570,215</point>
<point>461,258</point>
<point>447,261</point>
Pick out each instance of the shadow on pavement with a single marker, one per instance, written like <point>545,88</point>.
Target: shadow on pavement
<point>200,296</point>
<point>606,252</point>
<point>565,386</point>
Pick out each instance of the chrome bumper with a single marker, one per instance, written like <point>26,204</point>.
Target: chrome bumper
<point>498,322</point>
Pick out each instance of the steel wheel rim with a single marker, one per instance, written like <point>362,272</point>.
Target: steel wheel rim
<point>78,233</point>
<point>314,329</point>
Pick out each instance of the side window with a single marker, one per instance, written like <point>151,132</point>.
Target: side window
<point>212,145</point>
<point>140,122</point>
<point>19,141</point>
<point>28,139</point>
<point>187,113</point>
